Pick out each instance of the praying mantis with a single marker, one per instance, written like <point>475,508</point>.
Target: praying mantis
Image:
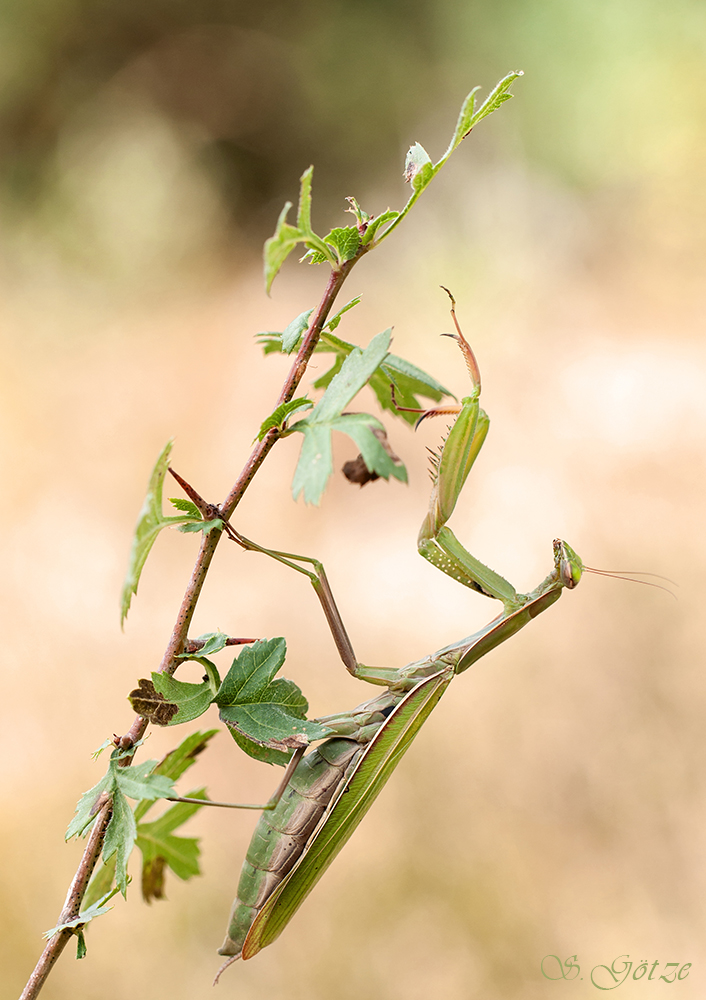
<point>325,794</point>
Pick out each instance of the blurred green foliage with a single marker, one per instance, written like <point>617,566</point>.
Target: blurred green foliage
<point>255,92</point>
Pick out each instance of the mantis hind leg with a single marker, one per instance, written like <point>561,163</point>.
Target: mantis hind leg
<point>322,589</point>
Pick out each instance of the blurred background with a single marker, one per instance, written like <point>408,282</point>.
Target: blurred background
<point>554,803</point>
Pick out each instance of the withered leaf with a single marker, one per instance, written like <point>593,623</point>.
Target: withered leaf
<point>153,879</point>
<point>356,471</point>
<point>152,705</point>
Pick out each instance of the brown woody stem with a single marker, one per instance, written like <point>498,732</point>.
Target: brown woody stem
<point>72,906</point>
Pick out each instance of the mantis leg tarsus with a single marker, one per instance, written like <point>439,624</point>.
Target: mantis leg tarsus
<point>233,958</point>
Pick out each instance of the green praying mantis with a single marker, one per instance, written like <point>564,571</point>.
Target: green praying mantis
<point>325,794</point>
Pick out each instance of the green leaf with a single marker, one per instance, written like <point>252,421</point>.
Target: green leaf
<point>139,781</point>
<point>150,522</point>
<point>354,208</point>
<point>268,712</point>
<point>81,947</point>
<point>332,323</point>
<point>388,216</point>
<point>172,766</point>
<point>409,381</point>
<point>161,849</point>
<point>465,121</point>
<point>279,246</point>
<point>496,97</point>
<point>120,838</point>
<point>345,240</point>
<point>213,642</point>
<point>104,746</point>
<point>178,761</point>
<point>311,240</point>
<point>270,341</point>
<point>293,331</point>
<point>354,374</point>
<point>316,458</point>
<point>304,210</point>
<point>215,524</point>
<point>186,506</point>
<point>315,464</point>
<point>97,909</point>
<point>192,699</point>
<point>85,808</point>
<point>101,883</point>
<point>469,117</point>
<point>419,168</point>
<point>278,417</point>
<point>286,237</point>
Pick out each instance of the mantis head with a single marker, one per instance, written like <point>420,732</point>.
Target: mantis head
<point>569,566</point>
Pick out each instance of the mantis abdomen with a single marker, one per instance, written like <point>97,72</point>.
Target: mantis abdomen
<point>281,835</point>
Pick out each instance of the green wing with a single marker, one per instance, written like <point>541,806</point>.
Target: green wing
<point>357,795</point>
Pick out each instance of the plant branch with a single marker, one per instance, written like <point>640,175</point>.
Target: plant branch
<point>72,906</point>
<point>257,457</point>
<point>178,640</point>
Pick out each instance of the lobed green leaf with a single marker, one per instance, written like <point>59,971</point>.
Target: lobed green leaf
<point>315,464</point>
<point>85,808</point>
<point>161,849</point>
<point>354,374</point>
<point>120,838</point>
<point>263,711</point>
<point>213,642</point>
<point>150,522</point>
<point>140,781</point>
<point>292,333</point>
<point>332,323</point>
<point>97,909</point>
<point>187,506</point>
<point>388,216</point>
<point>279,246</point>
<point>345,240</point>
<point>102,882</point>
<point>278,417</point>
<point>469,117</point>
<point>215,523</point>
<point>177,762</point>
<point>304,210</point>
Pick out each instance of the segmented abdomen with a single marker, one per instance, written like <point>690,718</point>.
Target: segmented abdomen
<point>281,834</point>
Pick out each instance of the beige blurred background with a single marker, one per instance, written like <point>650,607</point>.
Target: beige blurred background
<point>554,803</point>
